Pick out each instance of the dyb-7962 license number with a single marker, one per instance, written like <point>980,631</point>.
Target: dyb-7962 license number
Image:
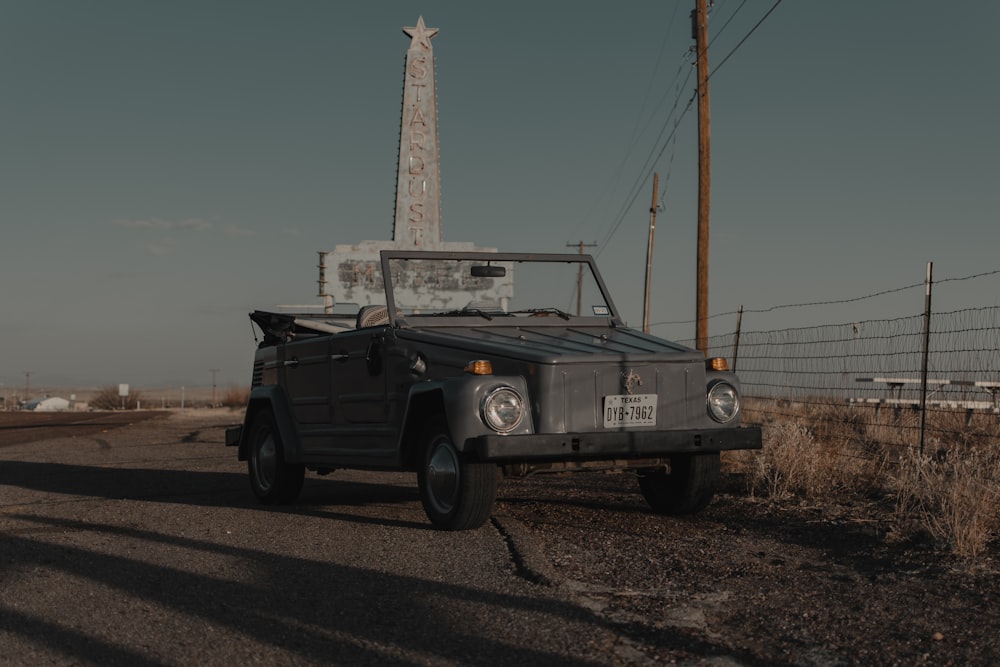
<point>629,410</point>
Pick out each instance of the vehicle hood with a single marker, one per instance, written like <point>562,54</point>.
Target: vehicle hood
<point>557,345</point>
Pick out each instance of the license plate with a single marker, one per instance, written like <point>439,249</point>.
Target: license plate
<point>629,410</point>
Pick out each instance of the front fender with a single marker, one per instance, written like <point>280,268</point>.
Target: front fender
<point>460,398</point>
<point>726,376</point>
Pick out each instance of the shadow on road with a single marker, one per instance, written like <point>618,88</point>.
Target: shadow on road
<point>210,489</point>
<point>318,611</point>
<point>302,609</point>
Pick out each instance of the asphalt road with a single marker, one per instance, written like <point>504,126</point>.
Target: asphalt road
<point>141,544</point>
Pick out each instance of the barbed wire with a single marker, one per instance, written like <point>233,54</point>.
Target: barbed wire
<point>771,309</point>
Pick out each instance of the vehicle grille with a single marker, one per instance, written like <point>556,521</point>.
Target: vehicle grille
<point>574,401</point>
<point>258,374</point>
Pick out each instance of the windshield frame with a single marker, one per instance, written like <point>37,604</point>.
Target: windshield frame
<point>398,319</point>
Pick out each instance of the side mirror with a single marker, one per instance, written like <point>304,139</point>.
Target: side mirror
<point>488,271</point>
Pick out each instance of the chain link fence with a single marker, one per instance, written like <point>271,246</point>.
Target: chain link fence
<point>933,377</point>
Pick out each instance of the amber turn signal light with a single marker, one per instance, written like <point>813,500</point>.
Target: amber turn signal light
<point>479,367</point>
<point>716,364</point>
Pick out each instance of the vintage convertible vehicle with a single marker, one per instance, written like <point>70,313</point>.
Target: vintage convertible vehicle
<point>470,369</point>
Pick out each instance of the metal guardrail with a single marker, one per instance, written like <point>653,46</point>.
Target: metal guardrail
<point>895,387</point>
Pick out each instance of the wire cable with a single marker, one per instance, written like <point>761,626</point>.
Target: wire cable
<point>728,21</point>
<point>771,309</point>
<point>745,38</point>
<point>640,127</point>
<point>648,167</point>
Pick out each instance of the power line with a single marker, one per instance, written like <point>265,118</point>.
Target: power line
<point>745,38</point>
<point>726,24</point>
<point>636,187</point>
<point>640,126</point>
<point>649,86</point>
<point>648,167</point>
<point>650,163</point>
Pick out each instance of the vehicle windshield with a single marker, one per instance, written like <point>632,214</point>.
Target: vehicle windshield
<point>492,285</point>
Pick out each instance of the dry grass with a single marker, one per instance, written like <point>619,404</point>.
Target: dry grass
<point>235,397</point>
<point>793,463</point>
<point>821,451</point>
<point>952,496</point>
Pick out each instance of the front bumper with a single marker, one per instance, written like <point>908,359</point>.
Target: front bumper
<point>611,444</point>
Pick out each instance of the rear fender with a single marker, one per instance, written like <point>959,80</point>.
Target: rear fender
<point>273,398</point>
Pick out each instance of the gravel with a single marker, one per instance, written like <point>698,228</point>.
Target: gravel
<point>140,544</point>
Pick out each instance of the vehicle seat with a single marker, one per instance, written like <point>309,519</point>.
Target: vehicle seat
<point>372,316</point>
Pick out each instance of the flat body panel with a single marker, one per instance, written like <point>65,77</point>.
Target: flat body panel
<point>587,385</point>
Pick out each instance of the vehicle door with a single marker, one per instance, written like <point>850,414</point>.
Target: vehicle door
<point>360,392</point>
<point>306,377</point>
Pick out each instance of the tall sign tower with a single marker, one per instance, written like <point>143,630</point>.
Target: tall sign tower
<point>418,180</point>
<point>353,272</point>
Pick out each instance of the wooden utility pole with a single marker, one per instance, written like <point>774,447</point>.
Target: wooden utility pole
<point>579,275</point>
<point>700,29</point>
<point>213,371</point>
<point>649,251</point>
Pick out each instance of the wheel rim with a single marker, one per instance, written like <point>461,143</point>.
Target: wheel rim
<point>265,461</point>
<point>442,476</point>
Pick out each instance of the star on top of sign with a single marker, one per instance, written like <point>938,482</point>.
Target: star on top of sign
<point>421,34</point>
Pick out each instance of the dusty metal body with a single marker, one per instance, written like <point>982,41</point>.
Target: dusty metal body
<point>553,390</point>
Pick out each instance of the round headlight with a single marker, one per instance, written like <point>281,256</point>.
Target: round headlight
<point>502,409</point>
<point>723,402</point>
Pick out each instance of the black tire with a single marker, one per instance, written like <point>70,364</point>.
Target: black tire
<point>457,494</point>
<point>688,488</point>
<point>273,481</point>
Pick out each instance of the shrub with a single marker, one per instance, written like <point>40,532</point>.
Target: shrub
<point>235,397</point>
<point>952,496</point>
<point>795,462</point>
<point>843,453</point>
<point>107,398</point>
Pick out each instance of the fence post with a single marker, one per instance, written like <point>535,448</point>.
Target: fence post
<point>923,366</point>
<point>736,341</point>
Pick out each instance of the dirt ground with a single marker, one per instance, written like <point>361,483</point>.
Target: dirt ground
<point>746,582</point>
<point>21,427</point>
<point>774,584</point>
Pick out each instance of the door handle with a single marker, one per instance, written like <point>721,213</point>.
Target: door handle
<point>343,356</point>
<point>373,357</point>
<point>292,363</point>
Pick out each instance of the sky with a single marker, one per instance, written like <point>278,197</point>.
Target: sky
<point>167,167</point>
